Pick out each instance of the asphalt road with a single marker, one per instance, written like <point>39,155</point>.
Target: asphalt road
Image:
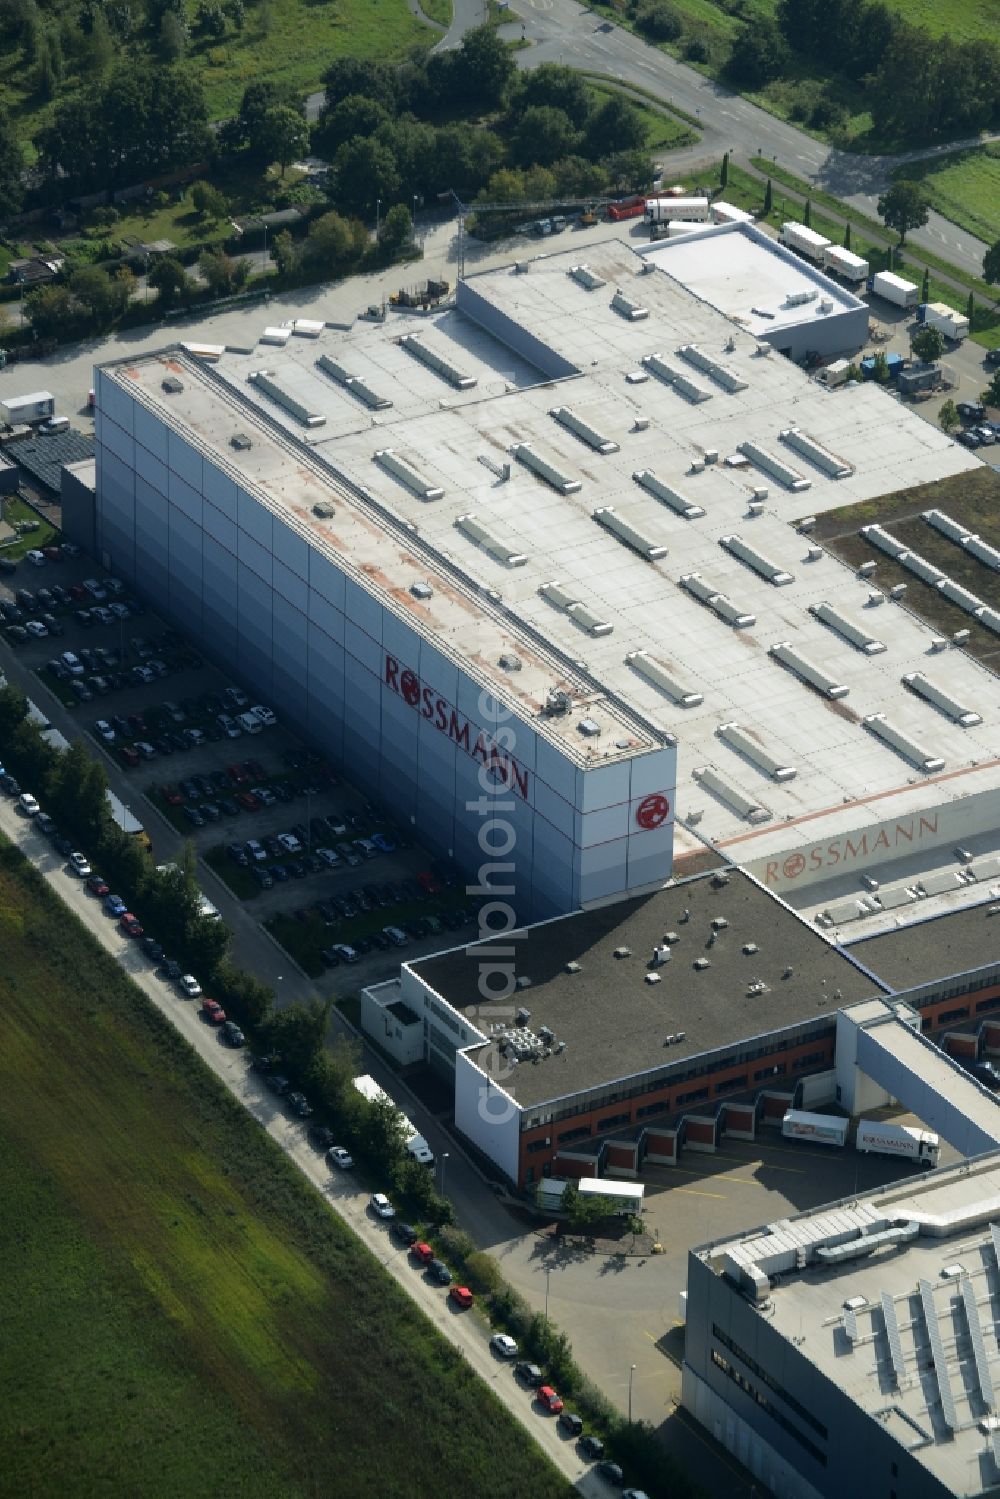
<point>467,1331</point>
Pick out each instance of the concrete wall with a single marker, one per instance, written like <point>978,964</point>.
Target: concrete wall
<point>487,1116</point>
<point>408,724</point>
<point>404,1043</point>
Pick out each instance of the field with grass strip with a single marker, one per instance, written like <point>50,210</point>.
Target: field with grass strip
<point>964,20</point>
<point>182,1313</point>
<point>965,188</point>
<point>663,131</point>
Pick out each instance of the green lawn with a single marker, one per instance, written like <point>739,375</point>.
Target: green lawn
<point>438,10</point>
<point>16,510</point>
<point>182,1312</point>
<point>964,20</point>
<point>965,188</point>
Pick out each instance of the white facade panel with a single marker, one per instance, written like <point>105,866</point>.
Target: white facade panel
<point>327,580</point>
<point>114,403</point>
<point>291,550</point>
<point>253,518</point>
<point>655,771</point>
<point>607,786</point>
<point>254,556</point>
<point>220,490</point>
<point>363,610</point>
<point>219,526</point>
<point>185,497</point>
<point>184,460</point>
<point>150,468</point>
<point>403,643</point>
<point>364,649</point>
<point>602,826</point>
<point>149,432</point>
<point>555,809</point>
<point>435,668</point>
<point>291,585</point>
<point>556,771</point>
<point>115,439</point>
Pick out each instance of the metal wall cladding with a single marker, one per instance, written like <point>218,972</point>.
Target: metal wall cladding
<point>331,659</point>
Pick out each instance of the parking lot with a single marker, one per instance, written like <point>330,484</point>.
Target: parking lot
<point>322,867</point>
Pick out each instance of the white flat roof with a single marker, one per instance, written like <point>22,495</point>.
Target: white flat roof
<point>459,440</point>
<point>748,276</point>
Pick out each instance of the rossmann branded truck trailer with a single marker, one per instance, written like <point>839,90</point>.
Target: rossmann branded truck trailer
<point>877,1138</point>
<point>823,1129</point>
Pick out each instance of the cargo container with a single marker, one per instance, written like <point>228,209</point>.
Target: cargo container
<point>822,1129</point>
<point>626,208</point>
<point>804,240</point>
<point>893,288</point>
<point>877,1138</point>
<point>37,407</point>
<point>415,1144</point>
<point>893,363</point>
<point>692,210</point>
<point>835,373</point>
<point>939,315</point>
<point>920,377</point>
<point>846,265</point>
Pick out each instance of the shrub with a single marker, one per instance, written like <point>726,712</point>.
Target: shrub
<point>658,19</point>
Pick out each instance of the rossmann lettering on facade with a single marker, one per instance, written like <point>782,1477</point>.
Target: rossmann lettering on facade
<point>428,702</point>
<point>873,843</point>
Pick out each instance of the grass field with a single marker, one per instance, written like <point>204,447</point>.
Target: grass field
<point>663,131</point>
<point>182,1313</point>
<point>965,188</point>
<point>438,10</point>
<point>290,42</point>
<point>965,20</point>
<point>16,510</point>
<point>974,500</point>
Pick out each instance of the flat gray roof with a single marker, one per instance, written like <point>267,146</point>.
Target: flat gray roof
<point>923,951</point>
<point>614,1022</point>
<point>935,1411</point>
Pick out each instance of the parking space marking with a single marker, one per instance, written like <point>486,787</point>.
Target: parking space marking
<point>692,1192</point>
<point>798,1170</point>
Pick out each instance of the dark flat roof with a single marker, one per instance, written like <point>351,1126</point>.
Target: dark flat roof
<point>934,949</point>
<point>614,1023</point>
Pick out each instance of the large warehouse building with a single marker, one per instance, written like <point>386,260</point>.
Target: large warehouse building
<point>543,543</point>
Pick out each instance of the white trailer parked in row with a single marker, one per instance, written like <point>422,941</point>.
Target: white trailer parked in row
<point>692,210</point>
<point>37,407</point>
<point>876,1138</point>
<point>894,289</point>
<point>952,324</point>
<point>843,263</point>
<point>805,240</point>
<point>823,1129</point>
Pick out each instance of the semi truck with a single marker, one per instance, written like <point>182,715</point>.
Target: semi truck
<point>876,1138</point>
<point>952,324</point>
<point>893,288</point>
<point>804,241</point>
<point>672,210</point>
<point>822,1129</point>
<point>36,407</point>
<point>416,1146</point>
<point>843,263</point>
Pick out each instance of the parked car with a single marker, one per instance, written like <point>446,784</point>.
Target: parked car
<point>213,1012</point>
<point>571,1423</point>
<point>404,1232</point>
<point>548,1398</point>
<point>439,1272</point>
<point>266,716</point>
<point>97,885</point>
<point>232,1034</point>
<point>381,1206</point>
<point>189,986</point>
<point>338,1156</point>
<point>504,1345</point>
<point>104,731</point>
<point>611,1473</point>
<point>299,1105</point>
<point>130,925</point>
<point>80,865</point>
<point>321,1136</point>
<point>592,1447</point>
<point>527,1373</point>
<point>114,905</point>
<point>28,804</point>
<point>971,411</point>
<point>463,1298</point>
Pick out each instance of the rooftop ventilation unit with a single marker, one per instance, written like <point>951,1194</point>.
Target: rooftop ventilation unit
<point>879,725</point>
<point>695,584</point>
<point>578,611</point>
<point>720,373</point>
<point>990,618</point>
<point>278,336</point>
<point>608,517</point>
<point>172,385</point>
<point>508,555</point>
<point>750,810</point>
<point>800,298</point>
<point>240,441</point>
<point>666,372</point>
<point>877,537</point>
<point>585,277</point>
<point>323,510</point>
<point>983,552</point>
<point>353,384</point>
<point>589,728</point>
<point>927,572</point>
<point>265,381</point>
<point>807,671</point>
<point>856,635</point>
<point>509,662</point>
<point>436,362</point>
<point>774,466</point>
<point>755,560</point>
<point>407,475</point>
<point>628,309</point>
<point>963,597</point>
<point>953,529</point>
<point>525,453</point>
<point>422,591</point>
<point>653,672</point>
<point>583,430</point>
<point>557,703</point>
<point>667,496</point>
<point>922,685</point>
<point>745,744</point>
<point>817,454</point>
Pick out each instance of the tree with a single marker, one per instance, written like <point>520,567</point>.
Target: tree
<point>903,207</point>
<point>928,344</point>
<point>484,67</point>
<point>925,286</point>
<point>329,244</point>
<point>396,229</point>
<point>13,711</point>
<point>51,311</point>
<point>989,397</point>
<point>551,83</point>
<point>357,115</point>
<point>660,20</point>
<point>297,1033</point>
<point>880,368</point>
<point>758,54</point>
<point>724,171</point>
<point>218,271</point>
<point>768,197</point>
<point>99,295</point>
<point>807,213</point>
<point>617,126</point>
<point>366,170</point>
<point>208,202</point>
<point>284,253</point>
<point>354,75</point>
<point>283,135</point>
<point>169,279</point>
<point>991,260</point>
<point>847,236</point>
<point>210,19</point>
<point>173,37</point>
<point>542,136</point>
<point>11,167</point>
<point>948,417</point>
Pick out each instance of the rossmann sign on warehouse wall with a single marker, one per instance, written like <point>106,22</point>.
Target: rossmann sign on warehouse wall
<point>857,851</point>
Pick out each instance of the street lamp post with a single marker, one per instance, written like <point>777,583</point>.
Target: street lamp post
<point>548,1272</point>
<point>630,1373</point>
<point>444,1167</point>
<point>415,218</point>
<point>378,217</point>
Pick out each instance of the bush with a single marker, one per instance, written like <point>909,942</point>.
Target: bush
<point>696,49</point>
<point>658,19</point>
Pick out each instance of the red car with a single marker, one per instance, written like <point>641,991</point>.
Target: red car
<point>213,1011</point>
<point>237,775</point>
<point>129,925</point>
<point>248,801</point>
<point>54,554</point>
<point>129,754</point>
<point>462,1296</point>
<point>171,796</point>
<point>422,1252</point>
<point>255,771</point>
<point>551,1401</point>
<point>429,882</point>
<point>97,886</point>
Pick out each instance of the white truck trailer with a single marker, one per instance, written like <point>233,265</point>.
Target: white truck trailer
<point>727,213</point>
<point>666,210</point>
<point>893,288</point>
<point>37,407</point>
<point>416,1146</point>
<point>806,241</point>
<point>843,263</point>
<point>822,1129</point>
<point>877,1138</point>
<point>954,325</point>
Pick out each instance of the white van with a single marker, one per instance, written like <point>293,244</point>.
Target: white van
<point>250,723</point>
<point>55,424</point>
